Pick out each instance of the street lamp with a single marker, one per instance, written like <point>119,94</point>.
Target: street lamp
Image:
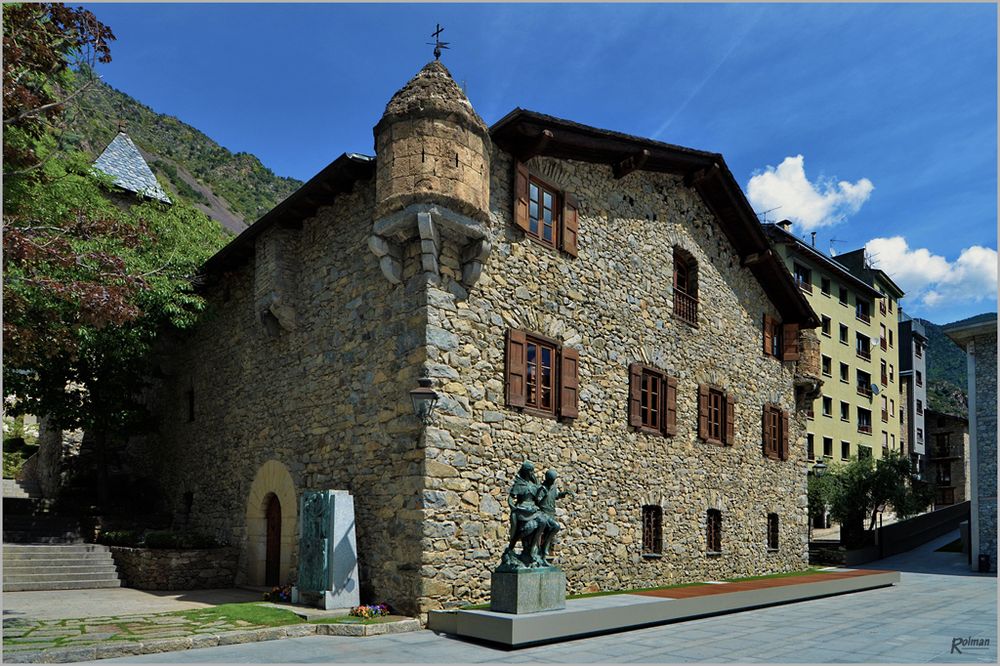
<point>819,469</point>
<point>424,398</point>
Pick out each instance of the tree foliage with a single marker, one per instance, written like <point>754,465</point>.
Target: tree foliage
<point>91,275</point>
<point>42,43</point>
<point>857,491</point>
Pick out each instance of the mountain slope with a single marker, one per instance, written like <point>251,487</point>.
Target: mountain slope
<point>946,372</point>
<point>233,188</point>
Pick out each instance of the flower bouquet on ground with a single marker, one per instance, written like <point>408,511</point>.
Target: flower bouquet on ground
<point>368,612</point>
<point>280,594</point>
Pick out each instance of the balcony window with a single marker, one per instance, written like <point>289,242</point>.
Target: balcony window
<point>864,421</point>
<point>864,384</point>
<point>862,311</point>
<point>685,287</point>
<point>803,278</point>
<point>862,347</point>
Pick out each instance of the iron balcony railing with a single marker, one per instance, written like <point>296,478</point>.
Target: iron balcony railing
<point>865,354</point>
<point>865,428</point>
<point>686,307</point>
<point>863,316</point>
<point>864,389</point>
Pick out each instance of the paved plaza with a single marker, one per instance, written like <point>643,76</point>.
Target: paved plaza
<point>937,601</point>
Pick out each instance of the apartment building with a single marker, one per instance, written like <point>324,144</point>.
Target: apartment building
<point>913,380</point>
<point>858,410</point>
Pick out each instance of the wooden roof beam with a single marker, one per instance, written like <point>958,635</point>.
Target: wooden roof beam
<point>633,162</point>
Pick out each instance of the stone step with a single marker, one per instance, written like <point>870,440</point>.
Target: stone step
<point>48,539</point>
<point>54,549</point>
<point>55,559</point>
<point>23,567</point>
<point>56,576</point>
<point>21,489</point>
<point>61,585</point>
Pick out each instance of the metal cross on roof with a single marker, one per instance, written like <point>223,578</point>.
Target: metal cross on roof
<point>437,43</point>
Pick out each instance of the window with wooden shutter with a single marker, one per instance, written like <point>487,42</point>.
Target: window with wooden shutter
<point>790,333</point>
<point>521,177</point>
<point>715,412</point>
<point>783,443</point>
<point>652,400</point>
<point>515,368</point>
<point>713,529</point>
<point>652,530</point>
<point>635,395</point>
<point>569,382</point>
<point>730,417</point>
<point>670,411</point>
<point>542,376</point>
<point>703,411</point>
<point>570,224</point>
<point>771,427</point>
<point>768,335</point>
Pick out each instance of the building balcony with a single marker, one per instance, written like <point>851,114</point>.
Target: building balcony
<point>863,317</point>
<point>804,285</point>
<point>865,428</point>
<point>865,390</point>
<point>686,307</point>
<point>946,453</point>
<point>884,344</point>
<point>864,354</point>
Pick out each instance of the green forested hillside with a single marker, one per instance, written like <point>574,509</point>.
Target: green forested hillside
<point>233,188</point>
<point>946,372</point>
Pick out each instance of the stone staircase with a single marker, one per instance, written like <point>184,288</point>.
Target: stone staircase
<point>44,550</point>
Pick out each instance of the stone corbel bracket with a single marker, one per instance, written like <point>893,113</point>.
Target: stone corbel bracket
<point>431,224</point>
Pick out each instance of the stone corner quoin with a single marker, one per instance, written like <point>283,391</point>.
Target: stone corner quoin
<point>418,265</point>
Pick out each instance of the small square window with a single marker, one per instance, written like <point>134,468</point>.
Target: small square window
<point>844,335</point>
<point>652,530</point>
<point>845,373</point>
<point>826,326</point>
<point>825,286</point>
<point>828,447</point>
<point>827,366</point>
<point>845,411</point>
<point>845,450</point>
<point>827,406</point>
<point>843,296</point>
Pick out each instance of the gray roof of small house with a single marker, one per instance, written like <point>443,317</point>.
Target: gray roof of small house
<point>122,161</point>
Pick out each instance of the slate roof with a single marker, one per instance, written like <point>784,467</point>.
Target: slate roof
<point>122,161</point>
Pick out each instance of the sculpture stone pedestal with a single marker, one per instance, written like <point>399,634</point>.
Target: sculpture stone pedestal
<point>328,552</point>
<point>528,590</point>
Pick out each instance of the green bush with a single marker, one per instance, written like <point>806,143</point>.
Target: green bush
<point>129,538</point>
<point>183,540</point>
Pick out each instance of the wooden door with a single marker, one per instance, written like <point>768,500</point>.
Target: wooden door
<point>273,553</point>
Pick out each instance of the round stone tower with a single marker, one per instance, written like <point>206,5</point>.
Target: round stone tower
<point>432,148</point>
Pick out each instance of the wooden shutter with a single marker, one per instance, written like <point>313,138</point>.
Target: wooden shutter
<point>569,382</point>
<point>521,196</point>
<point>784,435</point>
<point>768,334</point>
<point>635,395</point>
<point>570,224</point>
<point>790,332</point>
<point>730,434</point>
<point>703,411</point>
<point>670,406</point>
<point>765,433</point>
<point>516,370</point>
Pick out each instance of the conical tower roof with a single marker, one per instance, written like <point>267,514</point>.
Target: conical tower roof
<point>432,93</point>
<point>122,161</point>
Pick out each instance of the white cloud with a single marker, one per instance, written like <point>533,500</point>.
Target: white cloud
<point>932,280</point>
<point>808,205</point>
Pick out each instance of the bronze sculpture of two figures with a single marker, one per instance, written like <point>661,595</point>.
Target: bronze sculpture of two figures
<point>532,520</point>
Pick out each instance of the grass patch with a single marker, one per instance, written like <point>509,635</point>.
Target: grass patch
<point>607,593</point>
<point>953,547</point>
<point>787,574</point>
<point>247,612</point>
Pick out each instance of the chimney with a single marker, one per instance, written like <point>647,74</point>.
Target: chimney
<point>813,235</point>
<point>786,225</point>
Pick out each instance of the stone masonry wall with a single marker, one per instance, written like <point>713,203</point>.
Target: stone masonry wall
<point>327,399</point>
<point>613,304</point>
<point>986,441</point>
<point>170,569</point>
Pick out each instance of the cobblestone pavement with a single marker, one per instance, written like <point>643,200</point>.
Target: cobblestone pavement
<point>915,621</point>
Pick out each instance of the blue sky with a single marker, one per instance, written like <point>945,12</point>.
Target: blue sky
<point>870,124</point>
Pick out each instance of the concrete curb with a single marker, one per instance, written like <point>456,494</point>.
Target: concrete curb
<point>110,649</point>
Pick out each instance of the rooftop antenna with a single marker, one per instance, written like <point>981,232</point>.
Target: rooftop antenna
<point>833,250</point>
<point>437,43</point>
<point>763,216</point>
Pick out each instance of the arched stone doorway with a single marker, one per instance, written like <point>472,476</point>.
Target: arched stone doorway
<point>272,520</point>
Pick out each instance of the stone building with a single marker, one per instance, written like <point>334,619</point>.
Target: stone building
<point>978,337</point>
<point>604,305</point>
<point>948,457</point>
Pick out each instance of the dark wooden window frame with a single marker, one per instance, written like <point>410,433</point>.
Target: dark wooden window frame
<point>713,532</point>
<point>716,414</point>
<point>685,285</point>
<point>565,386</point>
<point>565,211</point>
<point>774,432</point>
<point>772,532</point>
<point>652,530</point>
<point>644,380</point>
